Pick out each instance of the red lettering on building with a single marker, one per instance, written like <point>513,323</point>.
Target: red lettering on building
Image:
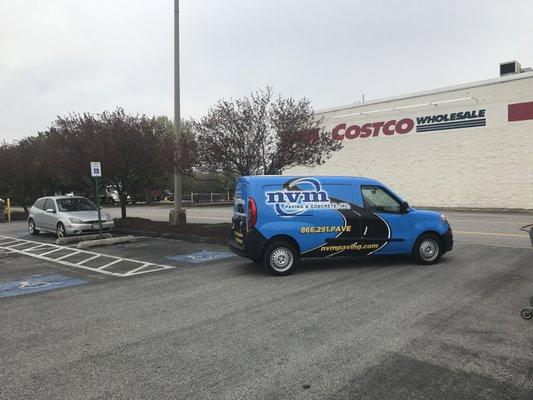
<point>340,132</point>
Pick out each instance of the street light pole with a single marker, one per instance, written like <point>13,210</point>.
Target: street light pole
<point>177,215</point>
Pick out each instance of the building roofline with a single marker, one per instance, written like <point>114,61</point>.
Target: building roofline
<point>486,82</point>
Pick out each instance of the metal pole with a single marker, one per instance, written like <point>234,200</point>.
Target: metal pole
<point>177,216</point>
<point>98,205</point>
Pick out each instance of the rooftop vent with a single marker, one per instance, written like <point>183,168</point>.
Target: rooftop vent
<point>509,68</point>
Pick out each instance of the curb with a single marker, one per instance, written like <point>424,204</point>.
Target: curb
<point>74,239</point>
<point>104,242</point>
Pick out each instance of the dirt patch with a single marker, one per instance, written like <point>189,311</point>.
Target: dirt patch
<point>209,233</point>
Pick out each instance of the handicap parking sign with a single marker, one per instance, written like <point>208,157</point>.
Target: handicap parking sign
<point>96,169</point>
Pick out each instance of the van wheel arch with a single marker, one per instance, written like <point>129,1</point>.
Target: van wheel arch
<point>280,238</point>
<point>428,248</point>
<point>428,232</point>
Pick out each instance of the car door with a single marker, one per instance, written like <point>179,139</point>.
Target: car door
<point>49,219</point>
<point>379,201</point>
<point>37,213</point>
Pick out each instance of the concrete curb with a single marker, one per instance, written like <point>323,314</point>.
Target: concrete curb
<point>74,239</point>
<point>105,242</point>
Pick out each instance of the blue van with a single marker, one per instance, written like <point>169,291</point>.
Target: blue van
<point>280,219</point>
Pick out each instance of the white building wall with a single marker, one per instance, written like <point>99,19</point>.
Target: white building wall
<point>479,167</point>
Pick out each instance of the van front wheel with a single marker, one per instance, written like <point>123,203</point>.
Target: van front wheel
<point>281,258</point>
<point>428,249</point>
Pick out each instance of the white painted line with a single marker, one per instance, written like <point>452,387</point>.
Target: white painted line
<point>13,245</point>
<point>89,259</point>
<point>9,241</point>
<point>491,234</point>
<point>140,268</point>
<point>35,247</point>
<point>50,252</point>
<point>68,255</point>
<point>108,265</point>
<point>164,267</point>
<point>137,269</point>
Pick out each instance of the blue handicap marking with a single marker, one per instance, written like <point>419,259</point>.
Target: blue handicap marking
<point>202,256</point>
<point>37,283</point>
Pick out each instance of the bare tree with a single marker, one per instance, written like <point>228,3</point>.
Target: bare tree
<point>261,135</point>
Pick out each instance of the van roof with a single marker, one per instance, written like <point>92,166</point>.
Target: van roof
<point>359,179</point>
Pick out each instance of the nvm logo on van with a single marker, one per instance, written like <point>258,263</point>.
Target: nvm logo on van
<point>300,195</point>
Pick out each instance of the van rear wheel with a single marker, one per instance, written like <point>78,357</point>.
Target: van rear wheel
<point>281,258</point>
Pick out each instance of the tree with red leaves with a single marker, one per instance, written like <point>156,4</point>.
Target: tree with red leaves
<point>261,135</point>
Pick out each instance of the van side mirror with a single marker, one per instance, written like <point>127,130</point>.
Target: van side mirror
<point>404,208</point>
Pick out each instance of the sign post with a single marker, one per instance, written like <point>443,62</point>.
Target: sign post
<point>96,172</point>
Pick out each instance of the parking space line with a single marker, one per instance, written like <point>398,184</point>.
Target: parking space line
<point>49,252</point>
<point>108,265</point>
<point>68,255</point>
<point>36,247</point>
<point>9,241</point>
<point>491,234</point>
<point>139,267</point>
<point>18,244</point>
<point>89,259</point>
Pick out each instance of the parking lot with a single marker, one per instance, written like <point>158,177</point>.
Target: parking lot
<point>214,326</point>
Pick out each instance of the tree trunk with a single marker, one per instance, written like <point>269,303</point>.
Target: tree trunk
<point>123,206</point>
<point>148,195</point>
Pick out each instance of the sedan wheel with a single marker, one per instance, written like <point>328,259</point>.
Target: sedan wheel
<point>31,227</point>
<point>61,231</point>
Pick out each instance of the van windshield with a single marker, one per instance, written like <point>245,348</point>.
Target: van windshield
<point>76,204</point>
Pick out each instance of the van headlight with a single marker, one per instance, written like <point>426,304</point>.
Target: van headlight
<point>443,217</point>
<point>76,221</point>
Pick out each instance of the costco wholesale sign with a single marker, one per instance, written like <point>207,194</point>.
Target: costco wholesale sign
<point>437,122</point>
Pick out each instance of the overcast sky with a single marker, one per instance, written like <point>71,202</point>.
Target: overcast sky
<point>58,56</point>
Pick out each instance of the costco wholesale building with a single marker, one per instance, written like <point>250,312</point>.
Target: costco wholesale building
<point>466,146</point>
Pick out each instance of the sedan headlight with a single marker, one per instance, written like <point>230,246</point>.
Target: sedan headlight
<point>443,217</point>
<point>76,221</point>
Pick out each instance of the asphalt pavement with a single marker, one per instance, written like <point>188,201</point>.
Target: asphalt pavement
<point>369,328</point>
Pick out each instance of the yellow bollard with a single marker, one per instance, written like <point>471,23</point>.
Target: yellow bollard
<point>8,210</point>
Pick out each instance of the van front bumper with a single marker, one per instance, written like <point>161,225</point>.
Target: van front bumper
<point>447,240</point>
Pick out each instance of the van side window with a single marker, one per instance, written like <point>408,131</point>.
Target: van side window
<point>378,199</point>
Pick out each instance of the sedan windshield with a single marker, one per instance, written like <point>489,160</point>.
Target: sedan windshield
<point>75,204</point>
